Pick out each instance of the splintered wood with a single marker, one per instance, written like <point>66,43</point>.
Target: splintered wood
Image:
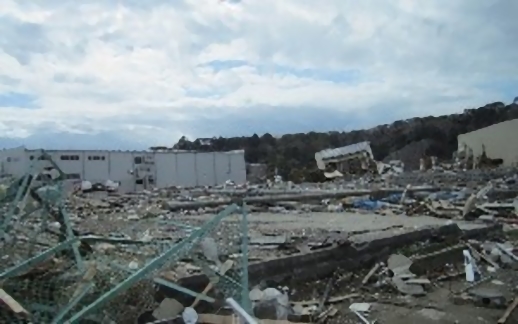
<point>508,311</point>
<point>12,303</point>
<point>224,268</point>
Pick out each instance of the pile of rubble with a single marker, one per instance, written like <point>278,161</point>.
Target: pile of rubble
<point>445,202</point>
<point>102,256</point>
<point>481,274</point>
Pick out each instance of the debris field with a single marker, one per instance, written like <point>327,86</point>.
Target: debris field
<point>409,247</point>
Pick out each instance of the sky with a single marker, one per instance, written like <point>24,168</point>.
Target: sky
<point>132,74</point>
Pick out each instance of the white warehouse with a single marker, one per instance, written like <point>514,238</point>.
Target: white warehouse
<point>134,170</point>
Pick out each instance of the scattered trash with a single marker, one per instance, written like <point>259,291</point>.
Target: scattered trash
<point>472,271</point>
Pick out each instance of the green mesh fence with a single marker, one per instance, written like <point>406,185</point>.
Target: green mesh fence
<point>56,276</point>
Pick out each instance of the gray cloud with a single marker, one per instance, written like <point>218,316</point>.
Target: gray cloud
<point>21,39</point>
<point>144,65</point>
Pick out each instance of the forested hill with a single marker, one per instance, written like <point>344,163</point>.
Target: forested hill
<point>294,154</point>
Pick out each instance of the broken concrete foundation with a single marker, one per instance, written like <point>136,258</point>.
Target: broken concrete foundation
<point>348,257</point>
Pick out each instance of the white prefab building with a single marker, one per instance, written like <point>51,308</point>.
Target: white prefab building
<point>134,170</point>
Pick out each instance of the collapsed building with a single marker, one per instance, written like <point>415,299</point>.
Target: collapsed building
<point>354,159</point>
<point>347,159</point>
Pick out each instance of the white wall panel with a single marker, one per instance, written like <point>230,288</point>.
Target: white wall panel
<point>166,169</point>
<point>205,169</point>
<point>15,161</point>
<point>120,165</point>
<point>222,162</point>
<point>186,169</point>
<point>237,167</point>
<point>96,170</point>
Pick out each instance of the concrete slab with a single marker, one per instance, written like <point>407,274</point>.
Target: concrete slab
<point>344,222</point>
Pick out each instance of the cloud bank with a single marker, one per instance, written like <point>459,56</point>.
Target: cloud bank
<point>130,74</point>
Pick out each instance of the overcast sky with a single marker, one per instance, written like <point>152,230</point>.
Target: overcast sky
<point>145,72</point>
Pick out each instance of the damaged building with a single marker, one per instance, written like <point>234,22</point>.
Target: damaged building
<point>495,142</point>
<point>346,159</point>
<point>134,170</point>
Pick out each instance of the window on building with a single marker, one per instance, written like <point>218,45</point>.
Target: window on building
<point>96,158</point>
<point>89,158</point>
<point>31,157</point>
<point>69,157</point>
<point>8,159</point>
<point>73,176</point>
<point>139,181</point>
<point>138,160</point>
<point>103,158</point>
<point>42,158</point>
<point>151,180</point>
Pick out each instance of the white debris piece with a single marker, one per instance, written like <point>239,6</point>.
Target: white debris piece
<point>55,225</point>
<point>133,265</point>
<point>146,236</point>
<point>271,293</point>
<point>86,185</point>
<point>280,300</point>
<point>111,185</point>
<point>482,193</point>
<point>360,307</point>
<point>400,265</point>
<point>470,266</point>
<point>210,250</point>
<point>256,294</point>
<point>190,316</point>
